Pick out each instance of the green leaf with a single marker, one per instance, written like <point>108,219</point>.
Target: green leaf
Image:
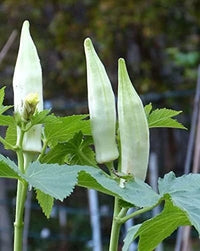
<point>6,120</point>
<point>163,118</point>
<point>76,151</point>
<point>2,107</point>
<point>131,235</point>
<point>79,150</point>
<point>62,132</point>
<point>153,231</point>
<point>148,109</point>
<point>2,95</point>
<point>8,169</point>
<point>184,192</point>
<point>11,135</point>
<point>43,117</point>
<point>45,201</point>
<point>55,155</point>
<point>135,192</point>
<point>58,181</point>
<point>52,179</point>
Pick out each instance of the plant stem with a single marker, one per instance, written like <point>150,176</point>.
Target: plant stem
<point>136,213</point>
<point>44,147</point>
<point>18,225</point>
<point>116,225</point>
<point>22,187</point>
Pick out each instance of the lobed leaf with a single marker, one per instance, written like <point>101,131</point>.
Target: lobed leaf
<point>162,118</point>
<point>45,201</point>
<point>44,117</point>
<point>155,230</point>
<point>135,191</point>
<point>184,192</point>
<point>52,179</point>
<point>65,130</point>
<point>8,168</point>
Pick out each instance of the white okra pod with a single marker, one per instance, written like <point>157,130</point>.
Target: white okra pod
<point>27,86</point>
<point>133,127</point>
<point>102,109</point>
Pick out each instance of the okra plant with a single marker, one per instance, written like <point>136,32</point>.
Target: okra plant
<point>55,154</point>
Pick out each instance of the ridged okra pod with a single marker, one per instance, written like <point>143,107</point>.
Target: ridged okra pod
<point>133,127</point>
<point>102,109</point>
<point>27,86</point>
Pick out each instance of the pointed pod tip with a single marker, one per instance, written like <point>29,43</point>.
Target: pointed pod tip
<point>121,60</point>
<point>88,43</point>
<point>122,64</point>
<point>26,24</point>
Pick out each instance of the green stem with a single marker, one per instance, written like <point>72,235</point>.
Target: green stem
<point>136,213</point>
<point>44,147</point>
<point>22,187</point>
<point>19,225</point>
<point>116,225</point>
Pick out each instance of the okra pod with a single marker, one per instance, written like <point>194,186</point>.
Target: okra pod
<point>27,80</point>
<point>102,108</point>
<point>133,127</point>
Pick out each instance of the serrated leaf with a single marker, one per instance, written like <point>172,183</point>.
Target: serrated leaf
<point>59,180</point>
<point>164,118</point>
<point>55,155</point>
<point>76,151</point>
<point>43,117</point>
<point>8,169</point>
<point>62,132</point>
<point>130,236</point>
<point>52,179</point>
<point>79,151</point>
<point>153,231</point>
<point>184,192</point>
<point>45,201</point>
<point>135,192</point>
<point>11,135</point>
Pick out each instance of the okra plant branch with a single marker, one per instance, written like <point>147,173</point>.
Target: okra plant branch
<point>134,214</point>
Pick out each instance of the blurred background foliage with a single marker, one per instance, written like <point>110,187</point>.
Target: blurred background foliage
<point>160,40</point>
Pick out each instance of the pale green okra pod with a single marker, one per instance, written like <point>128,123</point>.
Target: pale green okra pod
<point>133,127</point>
<point>102,109</point>
<point>27,80</point>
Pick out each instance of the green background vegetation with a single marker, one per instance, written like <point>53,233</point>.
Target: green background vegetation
<point>160,40</point>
